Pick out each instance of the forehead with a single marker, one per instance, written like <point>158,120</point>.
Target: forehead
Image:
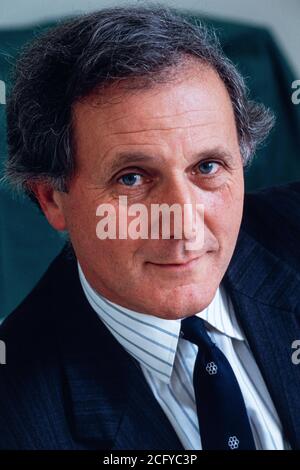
<point>196,106</point>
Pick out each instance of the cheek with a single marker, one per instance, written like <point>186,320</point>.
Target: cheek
<point>81,224</point>
<point>119,253</point>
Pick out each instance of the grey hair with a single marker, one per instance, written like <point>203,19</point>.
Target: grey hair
<point>140,43</point>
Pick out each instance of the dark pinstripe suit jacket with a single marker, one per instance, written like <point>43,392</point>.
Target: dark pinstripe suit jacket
<point>68,384</point>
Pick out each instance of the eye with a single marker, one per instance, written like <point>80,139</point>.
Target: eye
<point>208,168</point>
<point>130,179</point>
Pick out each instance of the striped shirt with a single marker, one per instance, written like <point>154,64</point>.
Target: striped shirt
<point>167,361</point>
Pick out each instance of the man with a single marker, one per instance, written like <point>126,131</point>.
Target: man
<point>139,104</point>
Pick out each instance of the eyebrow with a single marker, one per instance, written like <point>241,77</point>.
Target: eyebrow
<point>126,158</point>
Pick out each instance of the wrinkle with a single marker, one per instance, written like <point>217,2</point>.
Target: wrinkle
<point>157,129</point>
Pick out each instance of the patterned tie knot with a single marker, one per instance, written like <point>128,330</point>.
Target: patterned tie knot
<point>193,329</point>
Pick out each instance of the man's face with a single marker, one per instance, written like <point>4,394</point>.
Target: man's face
<point>185,135</point>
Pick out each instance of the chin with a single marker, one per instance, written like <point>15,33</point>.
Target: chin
<point>183,301</point>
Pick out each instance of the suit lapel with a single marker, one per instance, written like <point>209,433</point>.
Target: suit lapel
<point>144,425</point>
<point>265,294</point>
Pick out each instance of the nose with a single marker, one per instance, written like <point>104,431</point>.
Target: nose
<point>181,208</point>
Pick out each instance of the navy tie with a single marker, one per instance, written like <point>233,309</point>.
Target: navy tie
<point>222,415</point>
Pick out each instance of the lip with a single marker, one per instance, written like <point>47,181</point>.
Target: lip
<point>177,266</point>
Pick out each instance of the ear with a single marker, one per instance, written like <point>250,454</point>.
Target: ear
<point>51,204</point>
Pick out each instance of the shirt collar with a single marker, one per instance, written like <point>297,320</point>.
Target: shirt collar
<point>220,315</point>
<point>151,340</point>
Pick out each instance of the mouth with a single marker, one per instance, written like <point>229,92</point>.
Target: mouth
<point>177,266</point>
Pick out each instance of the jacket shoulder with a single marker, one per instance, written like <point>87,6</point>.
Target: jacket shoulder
<point>272,217</point>
<point>33,317</point>
<point>30,380</point>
